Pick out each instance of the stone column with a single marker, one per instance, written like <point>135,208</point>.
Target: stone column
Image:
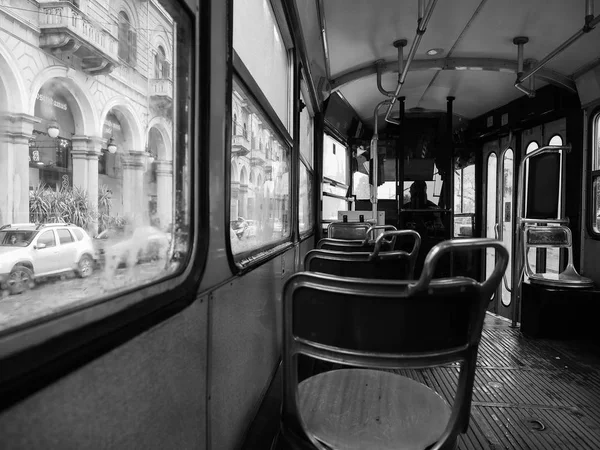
<point>94,151</point>
<point>235,192</point>
<point>135,205</point>
<point>15,132</point>
<point>79,152</point>
<point>243,201</point>
<point>164,192</point>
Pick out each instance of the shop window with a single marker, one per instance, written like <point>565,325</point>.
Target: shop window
<point>127,40</point>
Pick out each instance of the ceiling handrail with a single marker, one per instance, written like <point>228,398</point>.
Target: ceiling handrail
<point>421,28</point>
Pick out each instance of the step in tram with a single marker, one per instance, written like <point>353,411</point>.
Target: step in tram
<point>299,224</point>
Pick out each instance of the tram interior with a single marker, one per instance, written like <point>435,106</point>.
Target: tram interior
<point>469,138</point>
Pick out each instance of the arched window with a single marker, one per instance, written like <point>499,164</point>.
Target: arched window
<point>245,131</point>
<point>235,124</point>
<point>127,39</point>
<point>162,68</point>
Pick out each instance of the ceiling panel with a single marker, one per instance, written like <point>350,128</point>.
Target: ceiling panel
<point>363,94</point>
<point>547,23</point>
<point>360,32</point>
<point>476,92</point>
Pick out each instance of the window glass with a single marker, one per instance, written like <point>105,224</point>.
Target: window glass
<point>101,125</point>
<point>307,137</point>
<point>260,179</point>
<point>464,201</point>
<point>556,140</point>
<point>360,186</point>
<point>331,206</point>
<point>306,217</point>
<point>47,238</point>
<point>335,160</point>
<point>258,42</point>
<point>64,237</point>
<point>490,214</point>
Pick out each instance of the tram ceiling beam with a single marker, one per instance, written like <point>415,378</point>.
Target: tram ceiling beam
<point>479,64</point>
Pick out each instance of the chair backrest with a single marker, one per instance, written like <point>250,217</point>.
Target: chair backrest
<point>348,230</point>
<point>389,324</point>
<point>394,265</point>
<point>359,245</point>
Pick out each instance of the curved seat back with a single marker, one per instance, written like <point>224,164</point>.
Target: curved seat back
<point>398,265</point>
<point>348,230</point>
<point>387,324</point>
<point>360,245</point>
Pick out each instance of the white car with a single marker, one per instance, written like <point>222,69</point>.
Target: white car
<point>29,252</point>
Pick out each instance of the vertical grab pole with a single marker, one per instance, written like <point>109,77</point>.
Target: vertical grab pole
<point>375,157</point>
<point>450,195</point>
<point>399,154</point>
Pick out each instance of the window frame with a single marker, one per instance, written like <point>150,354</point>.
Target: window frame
<point>248,260</point>
<point>593,146</point>
<point>43,350</point>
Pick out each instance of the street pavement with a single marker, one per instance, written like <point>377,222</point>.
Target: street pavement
<point>54,294</point>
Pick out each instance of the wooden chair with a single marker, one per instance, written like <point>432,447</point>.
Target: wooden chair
<point>359,245</point>
<point>376,326</point>
<point>394,265</point>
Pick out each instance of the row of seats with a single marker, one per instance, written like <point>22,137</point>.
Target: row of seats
<point>356,306</point>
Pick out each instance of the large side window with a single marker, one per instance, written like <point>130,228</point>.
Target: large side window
<point>260,209</point>
<point>595,171</point>
<point>115,159</point>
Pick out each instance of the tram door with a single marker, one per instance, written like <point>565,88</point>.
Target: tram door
<point>498,169</point>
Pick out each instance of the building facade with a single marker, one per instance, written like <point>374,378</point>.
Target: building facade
<point>86,93</point>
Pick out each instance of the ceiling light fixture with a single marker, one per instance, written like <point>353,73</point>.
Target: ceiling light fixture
<point>434,51</point>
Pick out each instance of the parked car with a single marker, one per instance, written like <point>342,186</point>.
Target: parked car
<point>128,246</point>
<point>244,228</point>
<point>29,252</point>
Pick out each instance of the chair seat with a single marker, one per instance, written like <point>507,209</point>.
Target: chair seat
<point>567,279</point>
<point>371,409</point>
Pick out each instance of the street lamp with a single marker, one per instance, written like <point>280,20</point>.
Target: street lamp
<point>53,129</point>
<point>111,147</point>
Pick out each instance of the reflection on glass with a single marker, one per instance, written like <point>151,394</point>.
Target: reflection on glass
<point>260,179</point>
<point>490,217</point>
<point>305,210</point>
<point>360,186</point>
<point>307,137</point>
<point>89,198</point>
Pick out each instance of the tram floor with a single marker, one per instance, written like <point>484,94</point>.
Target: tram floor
<point>528,394</point>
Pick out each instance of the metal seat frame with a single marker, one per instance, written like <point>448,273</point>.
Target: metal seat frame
<point>365,244</point>
<point>293,427</point>
<point>377,255</point>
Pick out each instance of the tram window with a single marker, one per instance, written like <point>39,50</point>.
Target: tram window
<point>306,219</point>
<point>258,41</point>
<point>107,155</point>
<point>595,192</point>
<point>335,160</point>
<point>260,180</point>
<point>556,140</point>
<point>464,201</point>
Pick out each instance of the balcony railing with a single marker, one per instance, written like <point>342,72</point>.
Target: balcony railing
<point>240,145</point>
<point>67,29</point>
<point>161,87</point>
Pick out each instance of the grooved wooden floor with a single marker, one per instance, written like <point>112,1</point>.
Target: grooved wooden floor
<point>528,393</point>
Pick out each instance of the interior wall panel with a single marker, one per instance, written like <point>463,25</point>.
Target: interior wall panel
<point>149,393</point>
<point>245,347</point>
